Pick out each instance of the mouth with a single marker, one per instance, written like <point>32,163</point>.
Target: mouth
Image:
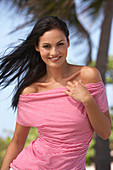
<point>55,58</point>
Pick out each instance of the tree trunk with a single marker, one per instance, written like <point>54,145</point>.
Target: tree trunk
<point>102,56</point>
<point>102,158</point>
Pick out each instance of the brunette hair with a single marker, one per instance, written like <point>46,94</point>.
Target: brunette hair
<point>24,63</point>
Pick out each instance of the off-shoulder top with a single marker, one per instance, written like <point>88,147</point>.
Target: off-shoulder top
<point>64,129</point>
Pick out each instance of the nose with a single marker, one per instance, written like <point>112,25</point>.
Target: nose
<point>54,51</point>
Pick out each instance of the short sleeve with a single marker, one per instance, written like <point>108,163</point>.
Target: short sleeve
<point>28,113</point>
<point>98,91</point>
<point>23,114</point>
<point>20,113</point>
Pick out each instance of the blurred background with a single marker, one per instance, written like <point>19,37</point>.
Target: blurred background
<point>91,38</point>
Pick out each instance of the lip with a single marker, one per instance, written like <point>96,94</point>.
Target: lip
<point>54,58</point>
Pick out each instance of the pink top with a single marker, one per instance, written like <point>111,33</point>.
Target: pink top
<point>64,129</point>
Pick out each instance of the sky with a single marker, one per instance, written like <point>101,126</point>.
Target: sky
<point>8,21</point>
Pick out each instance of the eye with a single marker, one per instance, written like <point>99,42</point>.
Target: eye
<point>60,44</point>
<point>46,46</point>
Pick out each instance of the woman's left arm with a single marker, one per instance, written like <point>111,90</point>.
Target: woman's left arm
<point>101,123</point>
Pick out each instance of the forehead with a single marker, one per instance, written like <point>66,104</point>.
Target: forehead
<point>53,35</point>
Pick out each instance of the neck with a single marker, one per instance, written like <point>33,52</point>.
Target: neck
<point>57,74</point>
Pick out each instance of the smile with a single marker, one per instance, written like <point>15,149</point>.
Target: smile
<point>55,58</point>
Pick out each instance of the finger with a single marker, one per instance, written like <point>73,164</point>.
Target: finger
<point>74,81</point>
<point>69,83</point>
<point>77,83</point>
<point>70,87</point>
<point>80,83</point>
<point>67,92</point>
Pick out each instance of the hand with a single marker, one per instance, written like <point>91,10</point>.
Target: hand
<point>77,91</point>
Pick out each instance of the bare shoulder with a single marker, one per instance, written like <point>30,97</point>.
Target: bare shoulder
<point>90,75</point>
<point>30,89</point>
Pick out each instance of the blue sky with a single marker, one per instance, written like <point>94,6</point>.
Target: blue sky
<point>8,21</point>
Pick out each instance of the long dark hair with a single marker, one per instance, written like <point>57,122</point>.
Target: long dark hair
<point>24,63</point>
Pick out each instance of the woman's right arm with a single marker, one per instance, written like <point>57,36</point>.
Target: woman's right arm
<point>16,145</point>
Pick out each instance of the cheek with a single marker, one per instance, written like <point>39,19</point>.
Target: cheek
<point>44,54</point>
<point>64,50</point>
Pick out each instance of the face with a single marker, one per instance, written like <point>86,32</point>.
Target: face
<point>53,47</point>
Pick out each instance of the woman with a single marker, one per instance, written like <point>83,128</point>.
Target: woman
<point>66,103</point>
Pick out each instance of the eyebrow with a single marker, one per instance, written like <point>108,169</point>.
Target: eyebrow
<point>56,43</point>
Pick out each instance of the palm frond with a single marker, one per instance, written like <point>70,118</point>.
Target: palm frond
<point>65,9</point>
<point>93,8</point>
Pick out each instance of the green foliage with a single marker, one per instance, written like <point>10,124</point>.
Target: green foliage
<point>109,73</point>
<point>90,153</point>
<point>33,134</point>
<point>3,146</point>
<point>109,77</point>
<point>111,136</point>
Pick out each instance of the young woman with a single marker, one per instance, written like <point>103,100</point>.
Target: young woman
<point>66,103</point>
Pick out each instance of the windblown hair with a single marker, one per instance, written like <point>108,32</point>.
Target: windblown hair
<point>24,63</point>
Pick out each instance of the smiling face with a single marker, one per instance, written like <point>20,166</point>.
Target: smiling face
<point>53,47</point>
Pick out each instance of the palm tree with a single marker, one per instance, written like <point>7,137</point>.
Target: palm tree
<point>94,9</point>
<point>66,9</point>
<point>102,159</point>
<point>102,66</point>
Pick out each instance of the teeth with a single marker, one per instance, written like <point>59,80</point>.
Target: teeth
<point>54,58</point>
